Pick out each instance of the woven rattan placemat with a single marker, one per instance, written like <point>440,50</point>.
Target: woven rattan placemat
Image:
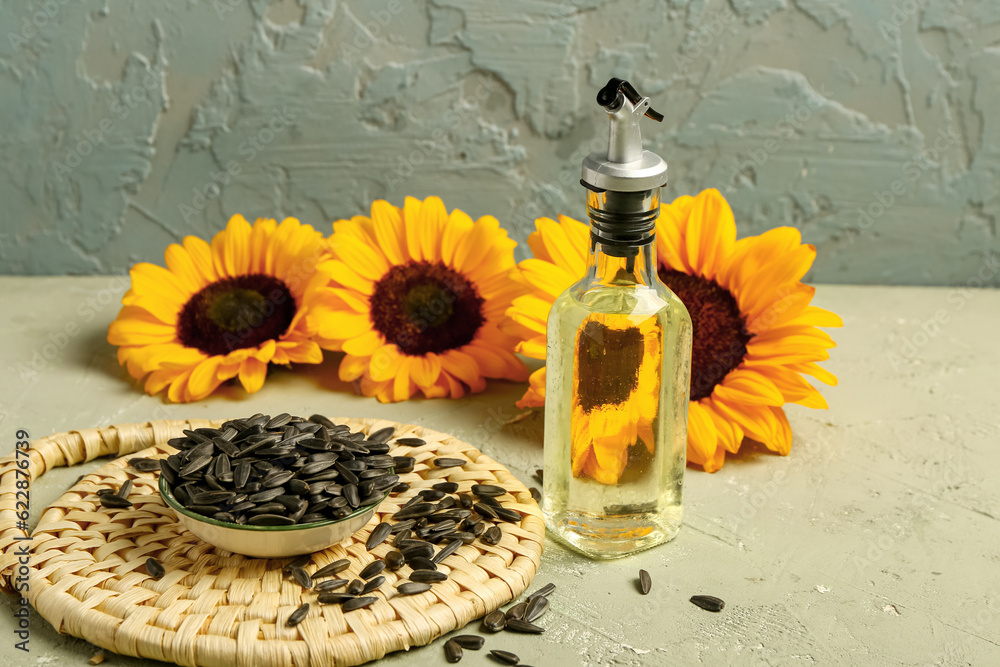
<point>215,608</point>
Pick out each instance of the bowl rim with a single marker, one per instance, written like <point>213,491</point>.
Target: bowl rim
<point>168,497</point>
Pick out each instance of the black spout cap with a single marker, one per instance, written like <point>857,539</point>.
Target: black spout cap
<point>611,95</point>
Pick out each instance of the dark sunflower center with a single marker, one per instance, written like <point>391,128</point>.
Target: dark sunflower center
<point>234,313</point>
<point>426,307</point>
<point>607,364</point>
<point>720,333</point>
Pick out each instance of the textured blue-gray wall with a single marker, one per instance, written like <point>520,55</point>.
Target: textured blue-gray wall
<point>871,125</point>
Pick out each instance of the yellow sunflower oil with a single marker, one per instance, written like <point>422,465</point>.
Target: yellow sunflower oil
<point>618,362</point>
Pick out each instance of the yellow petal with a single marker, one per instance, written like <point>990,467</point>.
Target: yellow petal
<point>387,225</point>
<point>710,233</point>
<point>252,374</point>
<point>351,367</point>
<point>365,344</point>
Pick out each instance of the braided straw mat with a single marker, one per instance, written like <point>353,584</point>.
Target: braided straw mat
<point>87,577</point>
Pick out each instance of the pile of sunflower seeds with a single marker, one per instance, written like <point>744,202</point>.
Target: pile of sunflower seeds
<point>279,471</point>
<point>286,470</point>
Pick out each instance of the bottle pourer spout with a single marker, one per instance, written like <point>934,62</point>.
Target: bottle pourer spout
<point>626,167</point>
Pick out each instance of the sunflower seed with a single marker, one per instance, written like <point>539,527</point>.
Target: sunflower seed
<point>520,625</point>
<point>372,569</point>
<point>645,583</point>
<point>382,435</point>
<point>537,606</point>
<point>276,478</point>
<point>412,442</point>
<point>416,549</point>
<point>372,585</point>
<point>332,568</point>
<point>543,591</point>
<point>167,472</point>
<point>195,465</point>
<point>355,587</point>
<point>358,603</point>
<point>471,642</point>
<point>446,487</point>
<point>492,535</point>
<point>211,497</point>
<point>708,602</point>
<point>351,494</point>
<point>267,508</point>
<point>333,597</point>
<point>447,550</point>
<point>155,570</point>
<point>270,520</point>
<point>125,489</point>
<point>506,657</point>
<point>412,588</point>
<point>539,475</point>
<point>486,511</point>
<point>495,621</point>
<point>378,535</point>
<point>421,563</point>
<point>227,517</point>
<point>427,576</point>
<point>322,421</point>
<point>112,501</point>
<point>516,612</point>
<point>452,651</point>
<point>394,560</point>
<point>488,490</point>
<point>301,576</point>
<point>330,584</point>
<point>431,494</point>
<point>449,463</point>
<point>144,465</point>
<point>414,511</point>
<point>508,515</point>
<point>536,495</point>
<point>298,615</point>
<point>278,421</point>
<point>401,526</point>
<point>266,495</point>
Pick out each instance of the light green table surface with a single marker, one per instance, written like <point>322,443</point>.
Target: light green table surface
<point>876,542</point>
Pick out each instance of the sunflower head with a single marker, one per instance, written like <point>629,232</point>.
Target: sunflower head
<point>414,298</point>
<point>222,310</point>
<point>755,332</point>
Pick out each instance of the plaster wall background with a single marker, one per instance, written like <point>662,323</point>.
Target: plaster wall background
<point>871,125</point>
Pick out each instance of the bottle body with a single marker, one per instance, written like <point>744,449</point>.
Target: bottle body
<point>617,383</point>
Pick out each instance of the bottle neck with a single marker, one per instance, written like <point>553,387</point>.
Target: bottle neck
<point>621,266</point>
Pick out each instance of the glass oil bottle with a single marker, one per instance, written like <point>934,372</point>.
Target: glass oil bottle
<point>618,361</point>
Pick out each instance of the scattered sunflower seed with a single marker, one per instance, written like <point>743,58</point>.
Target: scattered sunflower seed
<point>372,569</point>
<point>372,585</point>
<point>471,642</point>
<point>494,621</point>
<point>537,606</point>
<point>155,570</point>
<point>332,568</point>
<point>645,583</point>
<point>298,615</point>
<point>506,657</point>
<point>452,651</point>
<point>355,587</point>
<point>144,465</point>
<point>449,463</point>
<point>544,590</point>
<point>333,597</point>
<point>490,490</point>
<point>516,612</point>
<point>520,625</point>
<point>378,535</point>
<point>708,602</point>
<point>358,603</point>
<point>427,576</point>
<point>412,588</point>
<point>112,501</point>
<point>331,584</point>
<point>394,560</point>
<point>492,535</point>
<point>301,576</point>
<point>536,495</point>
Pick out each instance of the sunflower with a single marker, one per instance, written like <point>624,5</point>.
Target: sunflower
<point>415,299</point>
<point>755,334</point>
<point>613,412</point>
<point>222,310</point>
